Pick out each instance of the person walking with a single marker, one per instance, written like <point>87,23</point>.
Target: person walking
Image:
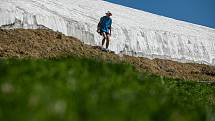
<point>104,29</point>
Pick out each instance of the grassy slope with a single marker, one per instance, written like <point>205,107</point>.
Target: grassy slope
<point>42,43</point>
<point>76,89</point>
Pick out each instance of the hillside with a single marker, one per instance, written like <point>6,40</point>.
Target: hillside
<point>43,43</point>
<point>76,89</point>
<point>135,32</point>
<point>52,68</point>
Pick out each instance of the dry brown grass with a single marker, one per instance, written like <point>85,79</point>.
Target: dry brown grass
<point>20,43</point>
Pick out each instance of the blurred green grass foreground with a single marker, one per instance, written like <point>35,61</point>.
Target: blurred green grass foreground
<point>75,89</point>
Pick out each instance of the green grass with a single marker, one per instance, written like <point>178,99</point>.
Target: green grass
<point>74,89</point>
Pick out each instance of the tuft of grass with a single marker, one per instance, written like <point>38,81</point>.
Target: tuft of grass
<point>77,89</point>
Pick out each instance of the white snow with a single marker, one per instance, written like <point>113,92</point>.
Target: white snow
<point>135,32</point>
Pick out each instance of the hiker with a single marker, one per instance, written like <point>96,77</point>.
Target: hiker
<point>104,29</point>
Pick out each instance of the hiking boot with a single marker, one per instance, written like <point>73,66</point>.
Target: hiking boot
<point>107,50</point>
<point>103,49</point>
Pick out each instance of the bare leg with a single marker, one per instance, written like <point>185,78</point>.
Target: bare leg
<point>108,40</point>
<point>104,37</point>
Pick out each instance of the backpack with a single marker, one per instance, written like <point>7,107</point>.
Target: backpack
<point>99,26</point>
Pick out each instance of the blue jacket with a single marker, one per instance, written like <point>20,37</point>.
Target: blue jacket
<point>105,24</point>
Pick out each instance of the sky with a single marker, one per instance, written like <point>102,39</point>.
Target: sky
<point>200,12</point>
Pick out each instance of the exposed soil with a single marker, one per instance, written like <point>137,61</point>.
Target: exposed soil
<point>42,43</point>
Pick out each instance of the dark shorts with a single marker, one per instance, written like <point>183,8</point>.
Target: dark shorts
<point>107,33</point>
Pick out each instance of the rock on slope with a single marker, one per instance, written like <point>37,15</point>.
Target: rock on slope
<point>135,32</point>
